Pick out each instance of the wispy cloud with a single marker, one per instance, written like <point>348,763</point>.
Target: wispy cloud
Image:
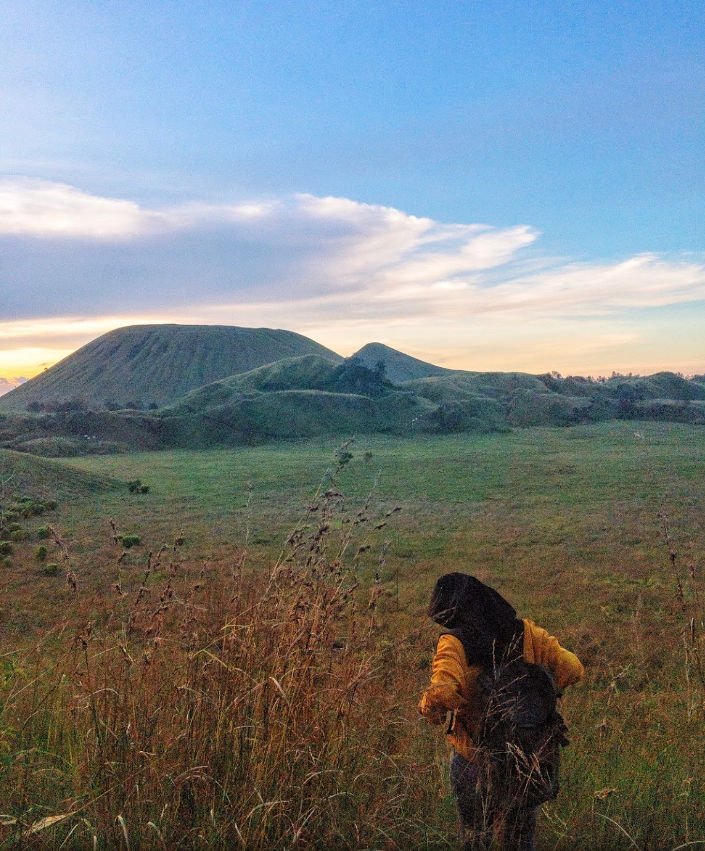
<point>298,261</point>
<point>42,209</point>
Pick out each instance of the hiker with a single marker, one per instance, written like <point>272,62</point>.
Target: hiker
<point>482,633</point>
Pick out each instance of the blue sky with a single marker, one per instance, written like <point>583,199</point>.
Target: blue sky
<point>488,185</point>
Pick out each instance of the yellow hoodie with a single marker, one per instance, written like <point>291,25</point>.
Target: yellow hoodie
<point>454,684</point>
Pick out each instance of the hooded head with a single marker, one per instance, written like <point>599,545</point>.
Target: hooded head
<point>482,619</point>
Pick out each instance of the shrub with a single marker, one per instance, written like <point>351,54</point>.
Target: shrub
<point>130,541</point>
<point>51,569</point>
<point>5,548</point>
<point>28,507</point>
<point>42,533</point>
<point>41,553</point>
<point>19,535</point>
<point>136,486</point>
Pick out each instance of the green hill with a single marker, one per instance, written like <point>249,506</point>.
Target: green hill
<point>398,367</point>
<point>212,386</point>
<point>286,414</point>
<point>310,372</point>
<point>22,473</point>
<point>295,397</point>
<point>471,385</point>
<point>153,365</point>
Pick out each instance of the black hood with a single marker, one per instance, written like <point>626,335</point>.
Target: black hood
<point>486,624</point>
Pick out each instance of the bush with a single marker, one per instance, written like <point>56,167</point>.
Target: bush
<point>41,553</point>
<point>5,548</point>
<point>19,535</point>
<point>29,507</point>
<point>51,569</point>
<point>136,486</point>
<point>130,541</point>
<point>42,533</point>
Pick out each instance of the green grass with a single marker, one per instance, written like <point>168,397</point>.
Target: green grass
<point>586,497</point>
<point>564,522</point>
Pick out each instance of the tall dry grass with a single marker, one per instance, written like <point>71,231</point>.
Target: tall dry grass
<point>189,707</point>
<point>191,710</point>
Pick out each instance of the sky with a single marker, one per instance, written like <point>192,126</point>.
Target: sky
<point>487,186</point>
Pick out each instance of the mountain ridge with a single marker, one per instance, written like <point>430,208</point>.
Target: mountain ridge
<point>273,384</point>
<point>152,365</point>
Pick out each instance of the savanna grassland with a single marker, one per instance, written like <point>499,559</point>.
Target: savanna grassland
<point>237,657</point>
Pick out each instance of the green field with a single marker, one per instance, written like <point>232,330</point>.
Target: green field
<point>528,509</point>
<point>569,524</point>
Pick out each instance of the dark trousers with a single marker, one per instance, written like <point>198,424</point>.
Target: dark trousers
<point>481,818</point>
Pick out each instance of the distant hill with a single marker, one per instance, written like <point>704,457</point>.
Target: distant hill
<point>295,397</point>
<point>287,414</point>
<point>309,372</point>
<point>207,386</point>
<point>527,400</point>
<point>153,365</point>
<point>398,367</point>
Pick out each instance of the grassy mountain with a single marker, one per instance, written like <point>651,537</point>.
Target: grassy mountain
<point>398,367</point>
<point>144,365</point>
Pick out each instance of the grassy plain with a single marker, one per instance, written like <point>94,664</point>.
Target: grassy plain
<point>568,523</point>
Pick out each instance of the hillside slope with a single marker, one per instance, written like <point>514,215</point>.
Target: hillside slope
<point>21,473</point>
<point>398,367</point>
<point>309,372</point>
<point>143,365</point>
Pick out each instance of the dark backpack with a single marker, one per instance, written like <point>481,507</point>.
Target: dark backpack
<point>521,734</point>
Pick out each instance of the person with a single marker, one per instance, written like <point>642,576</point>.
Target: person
<point>481,627</point>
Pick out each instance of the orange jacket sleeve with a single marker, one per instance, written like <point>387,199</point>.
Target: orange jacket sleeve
<point>544,649</point>
<point>448,681</point>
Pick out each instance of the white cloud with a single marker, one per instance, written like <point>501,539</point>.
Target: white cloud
<point>309,263</point>
<point>39,208</point>
<point>643,281</point>
<point>42,209</point>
